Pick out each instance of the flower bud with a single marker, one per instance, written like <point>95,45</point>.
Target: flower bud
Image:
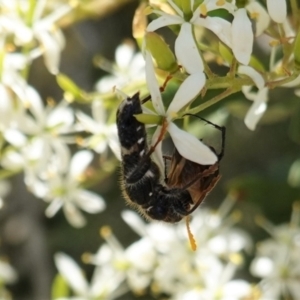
<point>160,51</point>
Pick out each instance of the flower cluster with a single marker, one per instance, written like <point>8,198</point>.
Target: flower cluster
<point>235,35</point>
<point>36,137</point>
<point>162,261</point>
<point>277,260</point>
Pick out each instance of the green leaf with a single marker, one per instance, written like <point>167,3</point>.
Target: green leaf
<point>221,13</point>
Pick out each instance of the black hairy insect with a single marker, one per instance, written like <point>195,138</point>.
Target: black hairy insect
<point>186,184</point>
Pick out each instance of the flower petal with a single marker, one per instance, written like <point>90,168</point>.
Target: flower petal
<point>293,83</point>
<point>253,74</point>
<point>164,20</point>
<point>190,147</point>
<point>89,202</point>
<point>52,48</point>
<point>36,105</point>
<point>186,50</point>
<point>53,207</point>
<point>98,112</point>
<point>124,55</point>
<point>79,162</point>
<point>68,268</point>
<point>15,137</point>
<point>134,221</point>
<point>153,86</point>
<point>188,90</point>
<point>73,215</point>
<point>259,14</point>
<point>242,36</point>
<point>237,289</point>
<point>61,117</point>
<point>86,122</point>
<point>262,267</point>
<point>220,27</point>
<point>277,10</point>
<point>7,273</point>
<point>257,109</point>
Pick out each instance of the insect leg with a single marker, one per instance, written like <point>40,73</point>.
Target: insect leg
<point>204,194</point>
<point>162,89</point>
<point>166,157</point>
<point>211,170</point>
<point>159,139</point>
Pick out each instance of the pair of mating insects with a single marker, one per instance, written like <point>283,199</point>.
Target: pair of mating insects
<point>186,184</point>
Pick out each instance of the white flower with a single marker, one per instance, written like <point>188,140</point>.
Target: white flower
<point>136,263</point>
<point>277,10</point>
<point>162,256</point>
<point>141,258</point>
<point>253,74</point>
<point>228,33</point>
<point>258,107</point>
<point>106,283</point>
<point>242,36</point>
<point>103,134</point>
<point>259,98</point>
<point>259,14</point>
<point>278,259</point>
<point>27,26</point>
<point>217,25</point>
<point>186,144</point>
<point>12,87</point>
<point>63,190</point>
<point>37,134</point>
<point>232,290</point>
<point>130,67</point>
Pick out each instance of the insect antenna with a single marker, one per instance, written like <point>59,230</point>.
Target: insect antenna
<point>162,89</point>
<point>221,128</point>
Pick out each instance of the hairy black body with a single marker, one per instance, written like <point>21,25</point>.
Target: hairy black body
<point>187,183</point>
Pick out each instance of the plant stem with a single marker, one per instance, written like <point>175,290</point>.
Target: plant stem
<point>210,102</point>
